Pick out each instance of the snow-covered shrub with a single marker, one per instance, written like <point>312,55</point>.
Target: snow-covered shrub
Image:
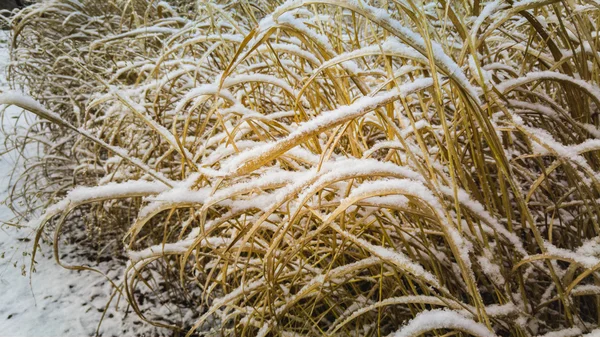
<point>329,167</point>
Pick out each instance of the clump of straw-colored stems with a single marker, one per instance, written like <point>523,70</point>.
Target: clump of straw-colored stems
<point>328,167</point>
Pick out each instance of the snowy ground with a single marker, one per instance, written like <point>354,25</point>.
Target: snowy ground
<point>57,301</point>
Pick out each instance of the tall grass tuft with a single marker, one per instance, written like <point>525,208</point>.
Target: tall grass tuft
<point>326,167</point>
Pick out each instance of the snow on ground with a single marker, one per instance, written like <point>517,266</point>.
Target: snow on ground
<point>57,301</point>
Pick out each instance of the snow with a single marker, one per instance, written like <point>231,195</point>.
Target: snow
<point>563,333</point>
<point>509,85</point>
<point>442,319</point>
<point>202,90</point>
<point>491,270</point>
<point>293,49</point>
<point>231,81</point>
<point>290,20</point>
<point>544,142</point>
<point>496,310</point>
<point>478,209</point>
<point>585,260</point>
<point>240,174</point>
<point>322,122</point>
<point>21,100</point>
<point>52,301</point>
<point>489,9</point>
<point>396,258</point>
<point>352,313</point>
<point>144,31</point>
<point>442,60</point>
<point>319,280</point>
<point>594,333</point>
<point>390,46</point>
<point>238,292</point>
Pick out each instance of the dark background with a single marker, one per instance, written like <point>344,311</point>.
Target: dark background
<point>11,4</point>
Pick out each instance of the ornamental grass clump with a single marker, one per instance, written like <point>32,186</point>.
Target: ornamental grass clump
<point>326,167</point>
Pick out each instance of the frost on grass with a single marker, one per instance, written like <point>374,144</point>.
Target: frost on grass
<point>325,165</point>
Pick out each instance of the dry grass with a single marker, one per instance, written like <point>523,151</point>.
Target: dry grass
<point>326,167</point>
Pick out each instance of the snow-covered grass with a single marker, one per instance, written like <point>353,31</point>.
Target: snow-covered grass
<point>321,167</point>
<point>52,301</point>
